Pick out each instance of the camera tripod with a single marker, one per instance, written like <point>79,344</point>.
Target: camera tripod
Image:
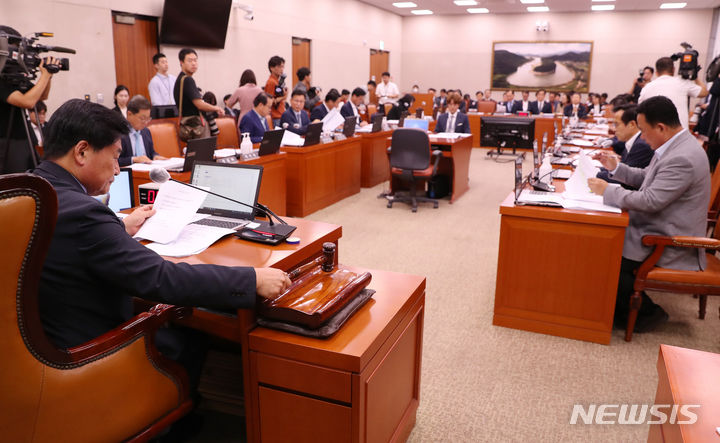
<point>7,142</point>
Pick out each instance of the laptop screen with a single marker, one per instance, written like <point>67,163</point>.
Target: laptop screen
<point>120,195</point>
<point>416,123</point>
<point>235,181</point>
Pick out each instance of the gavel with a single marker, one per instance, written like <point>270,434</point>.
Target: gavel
<point>326,261</point>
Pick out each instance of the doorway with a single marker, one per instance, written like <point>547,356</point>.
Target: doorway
<point>379,63</point>
<point>300,56</point>
<point>135,40</point>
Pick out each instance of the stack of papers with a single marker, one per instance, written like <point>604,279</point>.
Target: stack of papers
<point>577,193</point>
<point>170,163</point>
<point>292,139</point>
<point>451,135</point>
<point>224,153</point>
<point>175,206</point>
<point>193,239</point>
<point>332,120</point>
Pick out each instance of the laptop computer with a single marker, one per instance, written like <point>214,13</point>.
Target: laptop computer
<point>530,197</point>
<point>377,123</point>
<point>417,123</point>
<point>349,126</point>
<point>236,181</point>
<point>198,149</point>
<point>312,136</point>
<point>270,143</point>
<point>121,195</point>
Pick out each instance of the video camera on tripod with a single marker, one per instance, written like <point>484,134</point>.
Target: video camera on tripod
<point>689,67</point>
<point>20,59</point>
<point>280,88</point>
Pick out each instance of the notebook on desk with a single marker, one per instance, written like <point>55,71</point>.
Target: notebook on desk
<point>236,181</point>
<point>198,149</point>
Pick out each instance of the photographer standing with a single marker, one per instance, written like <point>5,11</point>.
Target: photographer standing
<point>640,82</point>
<point>275,88</point>
<point>675,88</point>
<point>16,154</point>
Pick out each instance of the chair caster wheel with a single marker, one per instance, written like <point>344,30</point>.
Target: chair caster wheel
<point>389,205</point>
<point>435,205</point>
<point>414,209</point>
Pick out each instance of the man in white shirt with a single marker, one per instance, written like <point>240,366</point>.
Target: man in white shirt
<point>675,88</point>
<point>162,84</point>
<point>387,91</point>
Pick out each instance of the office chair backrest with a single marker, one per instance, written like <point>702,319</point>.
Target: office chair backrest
<point>487,107</point>
<point>410,149</point>
<point>165,139</point>
<point>228,133</point>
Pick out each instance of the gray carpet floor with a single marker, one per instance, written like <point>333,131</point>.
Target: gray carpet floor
<point>486,383</point>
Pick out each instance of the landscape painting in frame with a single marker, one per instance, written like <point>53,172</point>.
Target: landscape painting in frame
<point>557,66</point>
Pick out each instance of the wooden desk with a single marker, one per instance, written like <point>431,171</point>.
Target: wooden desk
<point>272,187</point>
<point>558,270</point>
<point>375,167</point>
<point>360,385</point>
<point>688,377</point>
<point>542,125</point>
<point>322,174</point>
<point>455,163</point>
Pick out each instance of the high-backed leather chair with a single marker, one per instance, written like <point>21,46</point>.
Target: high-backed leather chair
<point>487,107</point>
<point>228,135</point>
<point>410,157</point>
<point>113,388</point>
<point>165,139</point>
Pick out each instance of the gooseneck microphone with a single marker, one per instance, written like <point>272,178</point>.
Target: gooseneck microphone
<point>160,175</point>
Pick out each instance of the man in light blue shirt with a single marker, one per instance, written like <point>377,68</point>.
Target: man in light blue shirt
<point>162,84</point>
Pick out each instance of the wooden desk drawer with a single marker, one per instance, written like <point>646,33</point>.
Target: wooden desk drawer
<point>302,377</point>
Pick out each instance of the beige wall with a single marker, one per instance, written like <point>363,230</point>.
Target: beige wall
<point>455,52</point>
<point>342,33</point>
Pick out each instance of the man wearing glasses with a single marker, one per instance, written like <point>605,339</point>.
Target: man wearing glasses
<point>137,146</point>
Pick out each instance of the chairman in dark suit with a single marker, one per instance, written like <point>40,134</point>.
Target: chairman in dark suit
<point>94,267</point>
<point>319,112</point>
<point>137,146</point>
<point>575,108</point>
<point>636,152</point>
<point>672,200</point>
<point>542,105</point>
<point>525,105</point>
<point>255,122</point>
<point>296,119</point>
<point>453,120</point>
<point>351,108</point>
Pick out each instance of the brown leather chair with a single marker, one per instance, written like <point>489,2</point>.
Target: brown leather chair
<point>410,162</point>
<point>700,283</point>
<point>487,107</point>
<point>228,135</point>
<point>165,139</point>
<point>113,388</point>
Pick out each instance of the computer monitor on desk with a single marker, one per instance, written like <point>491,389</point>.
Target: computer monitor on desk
<point>507,132</point>
<point>417,123</point>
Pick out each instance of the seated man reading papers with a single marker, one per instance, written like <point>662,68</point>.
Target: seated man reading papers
<point>94,267</point>
<point>672,199</point>
<point>137,146</point>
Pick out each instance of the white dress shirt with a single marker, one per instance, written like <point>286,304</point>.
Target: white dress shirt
<point>676,89</point>
<point>161,89</point>
<point>450,124</point>
<point>383,91</point>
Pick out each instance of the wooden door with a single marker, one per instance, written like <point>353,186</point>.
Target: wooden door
<point>300,56</point>
<point>135,40</point>
<point>379,63</point>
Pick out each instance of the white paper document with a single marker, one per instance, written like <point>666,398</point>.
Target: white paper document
<point>176,205</point>
<point>292,139</point>
<point>577,193</point>
<point>223,153</point>
<point>193,239</point>
<point>452,135</point>
<point>170,163</point>
<point>332,120</point>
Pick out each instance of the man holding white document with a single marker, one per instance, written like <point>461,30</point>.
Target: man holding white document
<point>672,200</point>
<point>94,267</point>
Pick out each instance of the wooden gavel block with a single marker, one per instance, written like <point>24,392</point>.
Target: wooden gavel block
<point>318,291</point>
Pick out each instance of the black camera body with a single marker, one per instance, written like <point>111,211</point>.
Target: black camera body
<point>689,67</point>
<point>20,58</point>
<point>280,88</point>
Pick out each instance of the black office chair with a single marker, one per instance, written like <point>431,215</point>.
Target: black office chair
<point>410,162</point>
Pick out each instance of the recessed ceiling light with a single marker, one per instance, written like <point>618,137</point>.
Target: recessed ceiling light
<point>478,10</point>
<point>405,5</point>
<point>673,5</point>
<point>465,2</point>
<point>421,12</point>
<point>531,2</point>
<point>538,9</point>
<point>603,7</point>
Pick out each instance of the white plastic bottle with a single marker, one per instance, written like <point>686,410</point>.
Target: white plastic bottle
<point>545,171</point>
<point>246,144</point>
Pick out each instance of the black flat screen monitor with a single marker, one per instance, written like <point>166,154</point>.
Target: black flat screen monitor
<point>195,24</point>
<point>508,132</point>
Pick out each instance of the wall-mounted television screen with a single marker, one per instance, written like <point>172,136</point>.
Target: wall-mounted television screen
<point>195,24</point>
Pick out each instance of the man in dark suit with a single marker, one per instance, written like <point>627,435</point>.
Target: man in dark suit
<point>296,119</point>
<point>575,108</point>
<point>255,122</point>
<point>441,101</point>
<point>94,267</point>
<point>508,101</point>
<point>137,146</point>
<point>525,105</point>
<point>453,120</point>
<point>636,153</point>
<point>37,123</point>
<point>351,108</point>
<point>319,112</point>
<point>543,106</point>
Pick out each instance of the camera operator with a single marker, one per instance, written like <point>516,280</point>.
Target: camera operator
<point>708,123</point>
<point>16,155</point>
<point>275,88</point>
<point>640,82</point>
<point>675,88</point>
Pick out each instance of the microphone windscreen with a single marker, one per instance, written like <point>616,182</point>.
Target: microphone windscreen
<point>159,175</point>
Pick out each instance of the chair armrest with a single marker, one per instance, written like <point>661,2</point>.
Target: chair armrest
<point>144,323</point>
<point>681,241</point>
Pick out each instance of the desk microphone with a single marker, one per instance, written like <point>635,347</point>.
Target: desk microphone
<point>160,175</point>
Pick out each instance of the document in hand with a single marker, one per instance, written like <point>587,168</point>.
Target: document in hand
<point>193,239</point>
<point>577,193</point>
<point>332,120</point>
<point>175,206</point>
<point>290,138</point>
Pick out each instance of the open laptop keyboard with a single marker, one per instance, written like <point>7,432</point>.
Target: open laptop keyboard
<point>221,223</point>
